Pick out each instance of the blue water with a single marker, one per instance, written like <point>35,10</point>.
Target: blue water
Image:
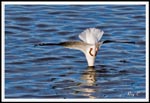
<point>57,72</point>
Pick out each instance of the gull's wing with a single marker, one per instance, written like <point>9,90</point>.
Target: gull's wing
<point>91,35</point>
<point>75,45</point>
<point>70,44</point>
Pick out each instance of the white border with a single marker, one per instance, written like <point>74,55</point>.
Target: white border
<point>78,3</point>
<point>3,52</point>
<point>73,100</point>
<point>147,51</point>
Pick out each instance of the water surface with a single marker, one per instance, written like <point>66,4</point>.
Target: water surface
<point>57,72</point>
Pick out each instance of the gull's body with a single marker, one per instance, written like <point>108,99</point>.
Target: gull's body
<point>90,44</point>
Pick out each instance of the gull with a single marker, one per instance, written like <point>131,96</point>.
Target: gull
<point>89,45</point>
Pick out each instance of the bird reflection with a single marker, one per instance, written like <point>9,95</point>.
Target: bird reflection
<point>87,87</point>
<point>89,76</point>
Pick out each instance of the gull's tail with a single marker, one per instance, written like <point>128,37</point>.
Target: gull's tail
<point>91,35</point>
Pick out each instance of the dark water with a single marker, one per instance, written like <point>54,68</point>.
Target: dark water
<point>56,72</point>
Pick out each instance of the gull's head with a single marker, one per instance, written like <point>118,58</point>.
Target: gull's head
<point>91,36</point>
<point>91,54</point>
<point>92,50</point>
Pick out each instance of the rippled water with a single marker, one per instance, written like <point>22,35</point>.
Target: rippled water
<point>57,72</point>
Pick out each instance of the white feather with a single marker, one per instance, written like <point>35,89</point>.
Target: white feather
<point>91,35</point>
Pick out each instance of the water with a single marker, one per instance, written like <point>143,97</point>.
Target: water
<point>57,72</point>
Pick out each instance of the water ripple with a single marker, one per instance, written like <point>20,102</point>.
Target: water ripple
<point>56,72</point>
